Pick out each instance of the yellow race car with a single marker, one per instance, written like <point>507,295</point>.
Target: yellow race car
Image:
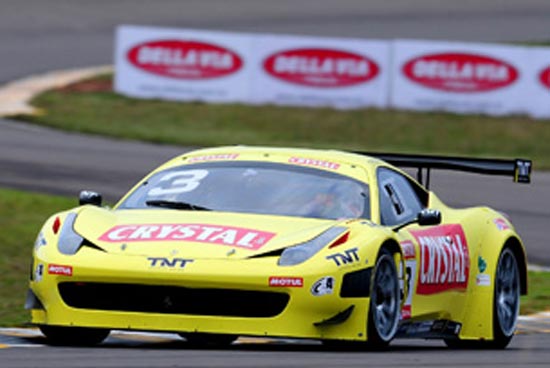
<point>254,241</point>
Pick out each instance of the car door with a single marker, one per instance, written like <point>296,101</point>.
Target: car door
<point>436,257</point>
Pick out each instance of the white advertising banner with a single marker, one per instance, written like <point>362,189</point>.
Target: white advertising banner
<point>312,71</point>
<point>538,95</point>
<point>460,77</point>
<point>181,64</point>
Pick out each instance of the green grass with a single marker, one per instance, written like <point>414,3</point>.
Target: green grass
<point>21,217</point>
<point>198,124</point>
<point>539,293</point>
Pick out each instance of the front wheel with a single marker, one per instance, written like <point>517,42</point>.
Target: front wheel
<point>73,336</point>
<point>384,308</point>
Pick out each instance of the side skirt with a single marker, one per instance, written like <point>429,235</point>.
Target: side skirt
<point>429,329</point>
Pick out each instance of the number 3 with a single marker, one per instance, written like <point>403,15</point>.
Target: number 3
<point>185,181</point>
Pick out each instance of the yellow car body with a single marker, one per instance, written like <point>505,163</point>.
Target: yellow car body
<point>218,272</point>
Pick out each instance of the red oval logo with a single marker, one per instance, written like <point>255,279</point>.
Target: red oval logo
<point>321,67</point>
<point>458,72</point>
<point>545,77</point>
<point>184,59</point>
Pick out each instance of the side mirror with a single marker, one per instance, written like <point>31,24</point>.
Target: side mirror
<point>89,197</point>
<point>425,217</point>
<point>429,217</point>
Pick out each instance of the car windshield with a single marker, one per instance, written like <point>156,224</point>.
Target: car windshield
<point>254,187</point>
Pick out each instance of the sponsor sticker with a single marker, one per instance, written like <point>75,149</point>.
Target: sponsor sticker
<point>323,286</point>
<point>38,272</point>
<point>501,224</point>
<point>184,59</point>
<point>202,233</point>
<point>408,249</point>
<point>216,157</point>
<point>346,257</point>
<point>321,68</point>
<point>174,263</point>
<point>544,77</point>
<point>409,255</point>
<point>284,281</point>
<point>312,162</point>
<point>481,264</point>
<point>54,269</point>
<point>444,259</point>
<point>483,280</point>
<point>460,72</point>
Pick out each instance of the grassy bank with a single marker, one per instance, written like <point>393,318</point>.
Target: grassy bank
<point>91,107</point>
<point>23,214</point>
<point>21,217</point>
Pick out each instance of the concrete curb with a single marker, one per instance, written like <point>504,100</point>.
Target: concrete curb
<point>15,96</point>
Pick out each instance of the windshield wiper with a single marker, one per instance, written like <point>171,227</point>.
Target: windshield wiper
<point>176,205</point>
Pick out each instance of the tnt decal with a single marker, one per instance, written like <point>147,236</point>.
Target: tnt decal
<point>444,259</point>
<point>167,262</point>
<point>223,235</point>
<point>346,257</point>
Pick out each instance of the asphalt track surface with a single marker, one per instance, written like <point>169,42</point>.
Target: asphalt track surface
<point>26,348</point>
<point>38,36</point>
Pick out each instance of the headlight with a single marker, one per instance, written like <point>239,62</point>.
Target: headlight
<point>40,240</point>
<point>302,252</point>
<point>69,241</point>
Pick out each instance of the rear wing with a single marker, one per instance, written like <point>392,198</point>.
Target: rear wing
<point>518,169</point>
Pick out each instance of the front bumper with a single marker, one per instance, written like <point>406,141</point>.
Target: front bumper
<point>225,296</point>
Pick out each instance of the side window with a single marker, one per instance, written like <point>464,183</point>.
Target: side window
<point>400,199</point>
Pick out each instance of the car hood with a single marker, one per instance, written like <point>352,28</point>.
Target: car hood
<point>194,234</point>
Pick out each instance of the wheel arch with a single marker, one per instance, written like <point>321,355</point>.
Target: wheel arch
<point>517,248</point>
<point>391,245</point>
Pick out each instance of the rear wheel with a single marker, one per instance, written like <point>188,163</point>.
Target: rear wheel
<point>208,340</point>
<point>74,336</point>
<point>505,305</point>
<point>506,299</point>
<point>384,308</point>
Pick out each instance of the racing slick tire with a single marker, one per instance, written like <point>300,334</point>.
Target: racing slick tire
<point>197,339</point>
<point>384,310</point>
<point>73,336</point>
<point>385,306</point>
<point>505,305</point>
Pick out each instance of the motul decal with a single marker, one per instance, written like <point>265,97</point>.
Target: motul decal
<point>185,59</point>
<point>444,259</point>
<point>54,269</point>
<point>223,235</point>
<point>323,68</point>
<point>460,72</point>
<point>216,157</point>
<point>545,77</point>
<point>284,281</point>
<point>312,162</point>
